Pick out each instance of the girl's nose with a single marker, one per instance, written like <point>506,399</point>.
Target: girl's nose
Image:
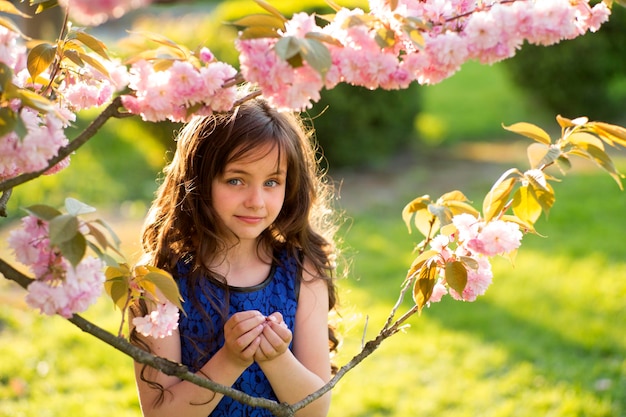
<point>254,198</point>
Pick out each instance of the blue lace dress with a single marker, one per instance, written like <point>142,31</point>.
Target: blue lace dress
<point>279,292</point>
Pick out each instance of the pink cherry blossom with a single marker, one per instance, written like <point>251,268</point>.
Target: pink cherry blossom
<point>478,281</point>
<point>496,237</point>
<point>96,12</point>
<point>439,290</point>
<point>159,323</point>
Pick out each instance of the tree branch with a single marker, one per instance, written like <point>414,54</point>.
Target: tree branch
<point>164,365</point>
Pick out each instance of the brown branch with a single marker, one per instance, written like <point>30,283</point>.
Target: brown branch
<point>164,365</point>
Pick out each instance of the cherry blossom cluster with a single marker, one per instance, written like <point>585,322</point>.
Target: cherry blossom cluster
<point>159,323</point>
<point>96,12</point>
<point>458,31</point>
<point>59,287</point>
<point>45,132</point>
<point>181,90</point>
<point>479,241</point>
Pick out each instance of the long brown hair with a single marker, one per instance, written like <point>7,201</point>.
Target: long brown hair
<point>182,223</point>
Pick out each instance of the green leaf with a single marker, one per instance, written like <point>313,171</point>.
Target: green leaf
<point>601,158</point>
<point>76,208</point>
<point>40,58</point>
<point>74,249</point>
<point>63,228</point>
<point>116,239</point>
<point>316,54</point>
<point>287,47</point>
<point>530,131</point>
<point>43,212</point>
<point>33,100</point>
<point>456,275</point>
<point>426,223</point>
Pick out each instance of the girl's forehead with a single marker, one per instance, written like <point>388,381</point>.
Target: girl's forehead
<point>269,152</point>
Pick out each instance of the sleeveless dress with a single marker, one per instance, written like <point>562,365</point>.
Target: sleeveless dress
<point>278,292</point>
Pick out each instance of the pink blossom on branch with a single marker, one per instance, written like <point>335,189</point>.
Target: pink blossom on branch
<point>59,288</point>
<point>159,323</point>
<point>459,30</point>
<point>96,12</point>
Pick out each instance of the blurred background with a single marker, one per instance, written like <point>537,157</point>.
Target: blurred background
<point>548,338</point>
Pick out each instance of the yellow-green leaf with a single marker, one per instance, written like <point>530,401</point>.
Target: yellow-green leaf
<point>497,198</point>
<point>8,23</point>
<point>456,275</point>
<point>94,63</point>
<point>584,138</point>
<point>426,223</point>
<point>8,120</point>
<point>419,203</point>
<point>258,32</point>
<point>423,287</point>
<point>118,290</point>
<point>92,43</point>
<point>419,262</point>
<point>271,9</point>
<point>40,58</point>
<point>323,37</point>
<point>601,158</point>
<point>609,133</point>
<point>264,20</point>
<point>8,7</point>
<point>165,284</point>
<point>525,206</point>
<point>530,131</point>
<point>538,154</point>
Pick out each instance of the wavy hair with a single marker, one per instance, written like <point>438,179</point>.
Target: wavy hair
<point>183,225</point>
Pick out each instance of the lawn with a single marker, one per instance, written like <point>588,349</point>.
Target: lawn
<point>546,340</point>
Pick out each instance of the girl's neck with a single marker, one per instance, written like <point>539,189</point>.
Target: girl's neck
<point>244,265</point>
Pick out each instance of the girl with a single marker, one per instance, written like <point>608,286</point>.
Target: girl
<point>241,222</point>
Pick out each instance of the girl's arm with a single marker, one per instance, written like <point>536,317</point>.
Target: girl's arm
<point>294,376</point>
<point>185,399</point>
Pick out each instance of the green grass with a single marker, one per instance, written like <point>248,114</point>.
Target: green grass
<point>546,340</point>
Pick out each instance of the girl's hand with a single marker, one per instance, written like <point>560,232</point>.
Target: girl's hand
<point>275,339</point>
<point>243,335</point>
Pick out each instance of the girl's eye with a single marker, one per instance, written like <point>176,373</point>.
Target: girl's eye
<point>271,183</point>
<point>234,181</point>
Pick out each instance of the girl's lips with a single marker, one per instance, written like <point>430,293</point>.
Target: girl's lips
<point>249,219</point>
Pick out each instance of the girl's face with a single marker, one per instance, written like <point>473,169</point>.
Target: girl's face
<point>249,195</point>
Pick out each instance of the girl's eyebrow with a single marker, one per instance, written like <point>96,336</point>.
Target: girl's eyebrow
<point>241,171</point>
